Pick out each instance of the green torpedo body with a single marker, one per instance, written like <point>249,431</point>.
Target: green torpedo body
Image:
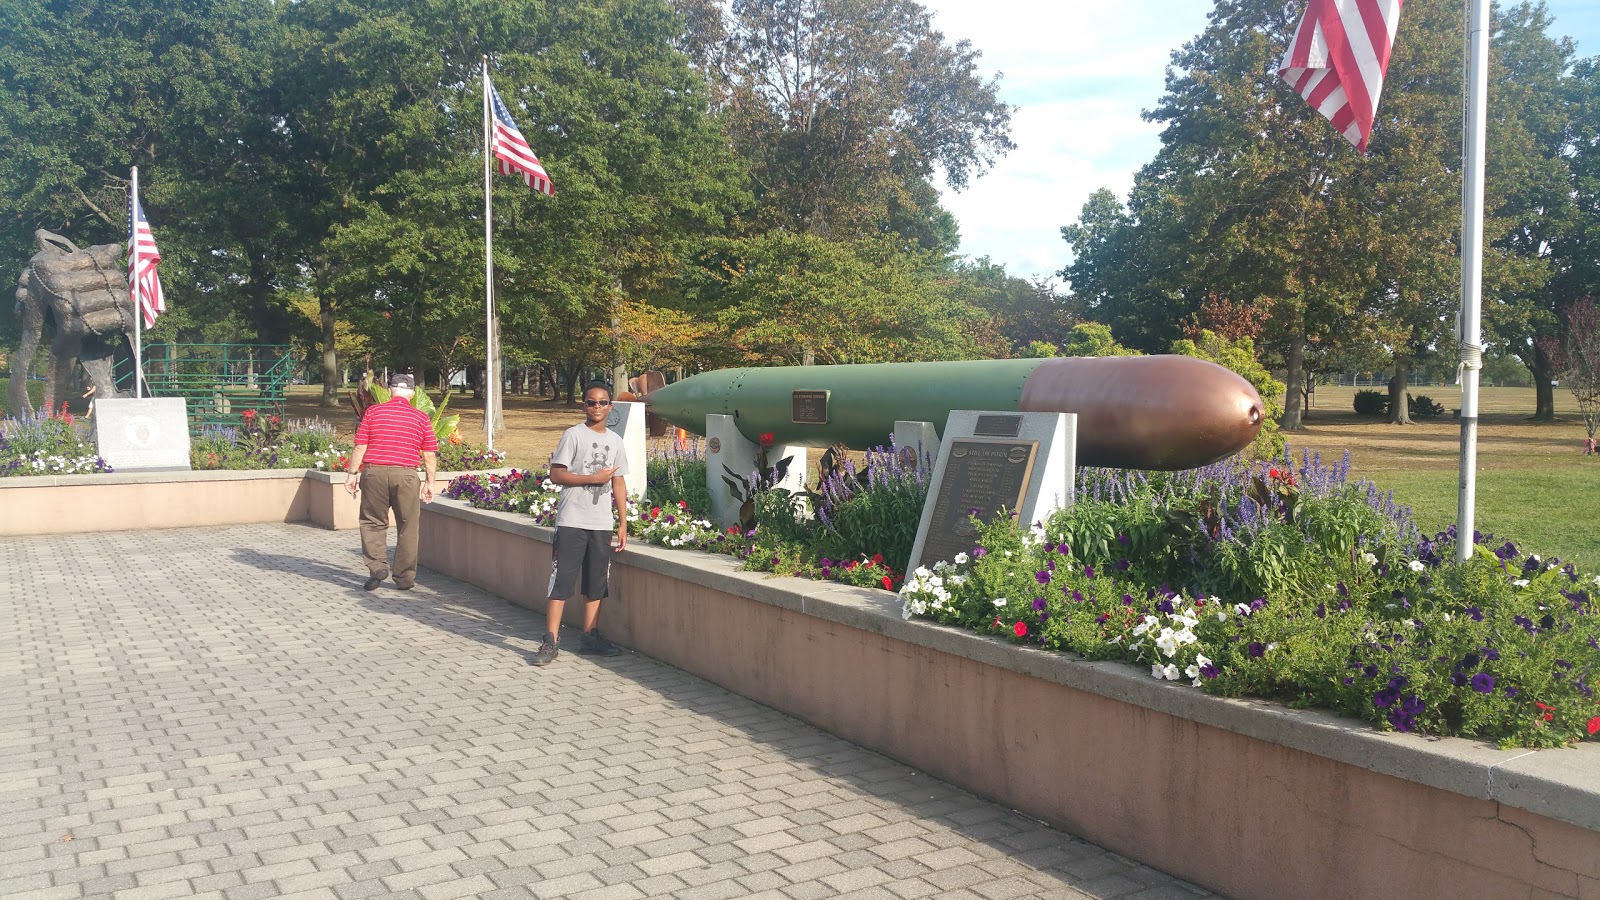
<point>1136,412</point>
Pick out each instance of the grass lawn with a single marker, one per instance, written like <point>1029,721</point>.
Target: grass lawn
<point>1534,485</point>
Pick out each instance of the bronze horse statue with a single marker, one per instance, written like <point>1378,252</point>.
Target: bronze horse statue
<point>84,294</point>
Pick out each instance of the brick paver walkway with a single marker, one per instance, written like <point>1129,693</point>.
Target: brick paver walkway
<point>224,713</point>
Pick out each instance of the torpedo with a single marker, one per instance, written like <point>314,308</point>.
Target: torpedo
<point>1134,412</point>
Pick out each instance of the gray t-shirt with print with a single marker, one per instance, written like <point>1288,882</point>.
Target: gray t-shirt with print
<point>585,452</point>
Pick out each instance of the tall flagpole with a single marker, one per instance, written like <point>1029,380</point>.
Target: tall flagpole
<point>488,265</point>
<point>133,288</point>
<point>1472,152</point>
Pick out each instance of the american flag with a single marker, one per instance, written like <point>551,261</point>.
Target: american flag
<point>1338,58</point>
<point>508,146</point>
<point>142,259</point>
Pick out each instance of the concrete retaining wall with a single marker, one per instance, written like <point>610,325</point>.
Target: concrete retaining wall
<point>74,504</point>
<point>1247,798</point>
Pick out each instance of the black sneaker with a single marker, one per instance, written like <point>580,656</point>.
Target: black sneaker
<point>591,643</point>
<point>547,652</point>
<point>373,582</point>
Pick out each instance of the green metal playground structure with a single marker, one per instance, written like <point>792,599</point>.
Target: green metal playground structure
<point>217,381</point>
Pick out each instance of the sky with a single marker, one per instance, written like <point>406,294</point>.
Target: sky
<point>1079,75</point>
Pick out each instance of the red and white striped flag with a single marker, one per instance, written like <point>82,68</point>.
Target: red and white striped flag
<point>508,146</point>
<point>1338,58</point>
<point>142,259</point>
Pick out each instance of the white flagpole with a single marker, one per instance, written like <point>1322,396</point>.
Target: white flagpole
<point>133,289</point>
<point>488,264</point>
<point>1472,152</point>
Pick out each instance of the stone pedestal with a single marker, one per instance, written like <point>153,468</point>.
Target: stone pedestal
<point>731,457</point>
<point>1024,463</point>
<point>920,438</point>
<point>627,419</point>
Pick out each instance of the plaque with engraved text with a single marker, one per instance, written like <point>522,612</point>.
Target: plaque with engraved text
<point>809,407</point>
<point>981,477</point>
<point>998,426</point>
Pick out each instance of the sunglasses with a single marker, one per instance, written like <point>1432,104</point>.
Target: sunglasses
<point>597,403</point>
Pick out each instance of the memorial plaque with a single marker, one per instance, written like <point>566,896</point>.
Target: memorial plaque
<point>809,408</point>
<point>149,434</point>
<point>982,475</point>
<point>998,426</point>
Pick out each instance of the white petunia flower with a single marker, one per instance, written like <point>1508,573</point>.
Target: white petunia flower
<point>1521,582</point>
<point>1369,559</point>
<point>1167,643</point>
<point>1172,673</point>
<point>1157,671</point>
<point>999,602</point>
<point>1416,565</point>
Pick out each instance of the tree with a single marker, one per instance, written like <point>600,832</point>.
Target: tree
<point>1576,354</point>
<point>784,296</point>
<point>845,111</point>
<point>1026,312</point>
<point>382,101</point>
<point>93,89</point>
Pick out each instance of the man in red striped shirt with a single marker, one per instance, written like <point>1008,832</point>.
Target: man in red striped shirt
<point>389,441</point>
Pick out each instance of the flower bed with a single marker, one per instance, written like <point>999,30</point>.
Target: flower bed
<point>1142,766</point>
<point>46,444</point>
<point>1292,583</point>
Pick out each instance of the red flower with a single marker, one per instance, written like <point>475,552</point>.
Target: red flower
<point>1272,473</point>
<point>877,559</point>
<point>1547,711</point>
<point>766,439</point>
<point>655,511</point>
<point>249,414</point>
<point>1019,629</point>
<point>1594,725</point>
<point>888,584</point>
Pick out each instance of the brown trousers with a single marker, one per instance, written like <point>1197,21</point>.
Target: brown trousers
<point>384,488</point>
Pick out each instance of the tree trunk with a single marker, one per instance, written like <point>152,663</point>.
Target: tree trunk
<point>1292,412</point>
<point>330,353</point>
<point>572,373</point>
<point>1399,406</point>
<point>1544,394</point>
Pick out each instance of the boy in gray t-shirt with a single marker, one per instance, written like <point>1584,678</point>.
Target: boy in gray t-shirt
<point>589,465</point>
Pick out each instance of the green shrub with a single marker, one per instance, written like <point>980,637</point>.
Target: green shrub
<point>675,474</point>
<point>873,511</point>
<point>1424,407</point>
<point>1372,403</point>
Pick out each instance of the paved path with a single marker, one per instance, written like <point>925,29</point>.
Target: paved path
<point>224,713</point>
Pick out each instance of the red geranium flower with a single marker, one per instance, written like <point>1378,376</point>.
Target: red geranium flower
<point>1594,725</point>
<point>1548,711</point>
<point>888,585</point>
<point>1019,629</point>
<point>766,439</point>
<point>877,559</point>
<point>249,414</point>
<point>655,511</point>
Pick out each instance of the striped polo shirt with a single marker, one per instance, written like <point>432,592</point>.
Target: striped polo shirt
<point>396,434</point>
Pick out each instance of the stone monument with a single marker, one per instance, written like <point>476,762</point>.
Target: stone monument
<point>1022,463</point>
<point>149,434</point>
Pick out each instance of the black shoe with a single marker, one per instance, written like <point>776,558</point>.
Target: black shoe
<point>371,584</point>
<point>547,652</point>
<point>591,643</point>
